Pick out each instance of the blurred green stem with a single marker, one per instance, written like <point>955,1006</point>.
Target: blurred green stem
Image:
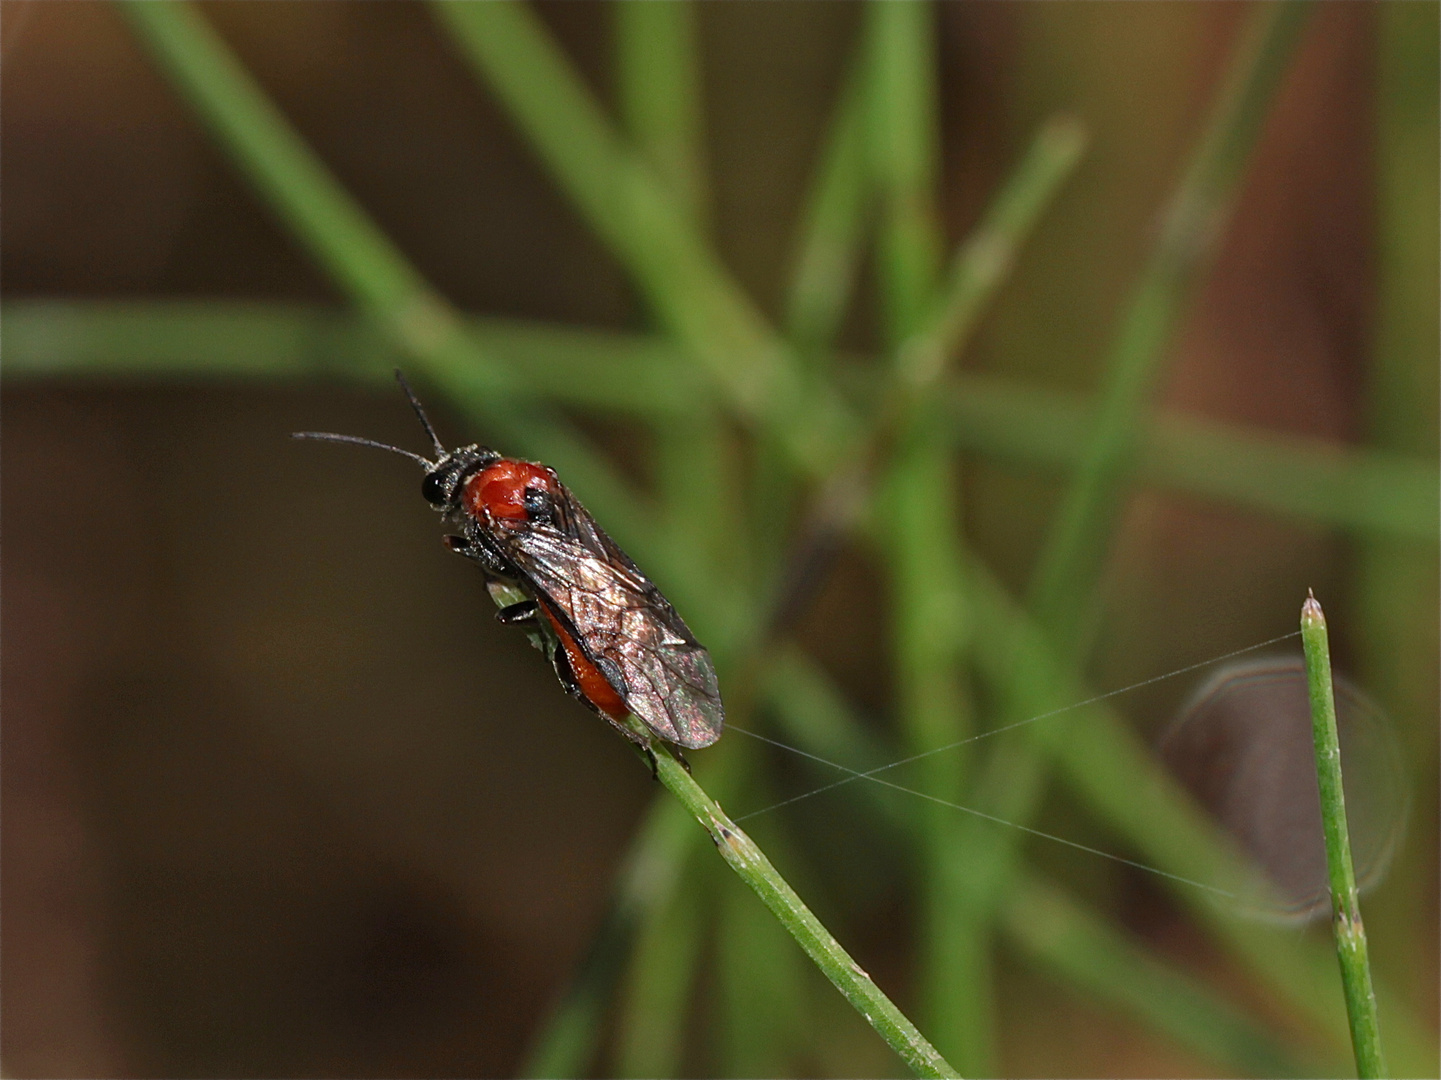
<point>1393,496</point>
<point>908,398</point>
<point>659,84</point>
<point>658,990</point>
<point>984,261</point>
<point>1393,605</point>
<point>933,618</point>
<point>823,277</point>
<point>1056,932</point>
<point>920,498</point>
<point>751,865</point>
<point>658,78</point>
<point>1013,780</point>
<point>286,171</point>
<point>1346,923</point>
<point>903,138</point>
<point>930,631</point>
<point>832,227</point>
<point>368,268</point>
<point>647,882</point>
<point>1118,776</point>
<point>765,988</point>
<point>645,227</point>
<point>1050,927</point>
<point>1194,222</point>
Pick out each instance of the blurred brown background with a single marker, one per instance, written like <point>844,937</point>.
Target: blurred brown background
<point>279,798</point>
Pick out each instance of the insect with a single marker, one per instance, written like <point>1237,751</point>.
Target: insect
<point>614,641</point>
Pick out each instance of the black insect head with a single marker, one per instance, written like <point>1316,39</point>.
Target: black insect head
<point>443,476</point>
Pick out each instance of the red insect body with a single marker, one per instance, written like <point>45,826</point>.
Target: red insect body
<point>615,641</point>
<point>592,683</point>
<point>500,489</point>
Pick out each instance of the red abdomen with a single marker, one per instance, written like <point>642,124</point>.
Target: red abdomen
<point>498,493</point>
<point>596,688</point>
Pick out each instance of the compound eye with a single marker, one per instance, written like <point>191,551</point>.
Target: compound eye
<point>433,488</point>
<point>537,503</point>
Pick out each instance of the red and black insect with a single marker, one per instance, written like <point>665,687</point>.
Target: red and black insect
<point>615,642</point>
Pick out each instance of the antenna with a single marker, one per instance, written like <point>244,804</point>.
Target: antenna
<point>327,436</point>
<point>420,412</point>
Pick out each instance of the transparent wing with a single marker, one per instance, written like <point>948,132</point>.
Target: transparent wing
<point>617,615</point>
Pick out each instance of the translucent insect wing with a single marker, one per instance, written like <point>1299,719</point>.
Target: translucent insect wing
<point>622,622</point>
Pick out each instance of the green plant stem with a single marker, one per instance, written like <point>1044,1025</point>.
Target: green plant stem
<point>645,227</point>
<point>370,270</point>
<point>1392,610</point>
<point>657,993</point>
<point>1013,780</point>
<point>1346,923</point>
<point>933,618</point>
<point>1118,776</point>
<point>658,69</point>
<point>930,634</point>
<point>1313,480</point>
<point>1059,934</point>
<point>658,78</point>
<point>829,246</point>
<point>903,138</point>
<point>646,883</point>
<point>1052,928</point>
<point>1390,495</point>
<point>336,231</point>
<point>765,984</point>
<point>908,396</point>
<point>1072,557</point>
<point>823,277</point>
<point>920,497</point>
<point>983,262</point>
<point>751,865</point>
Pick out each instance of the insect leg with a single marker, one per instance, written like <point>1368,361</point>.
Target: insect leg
<point>561,663</point>
<point>489,561</point>
<point>563,672</point>
<point>640,743</point>
<point>525,611</point>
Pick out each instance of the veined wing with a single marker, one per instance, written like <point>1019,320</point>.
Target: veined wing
<point>622,622</point>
